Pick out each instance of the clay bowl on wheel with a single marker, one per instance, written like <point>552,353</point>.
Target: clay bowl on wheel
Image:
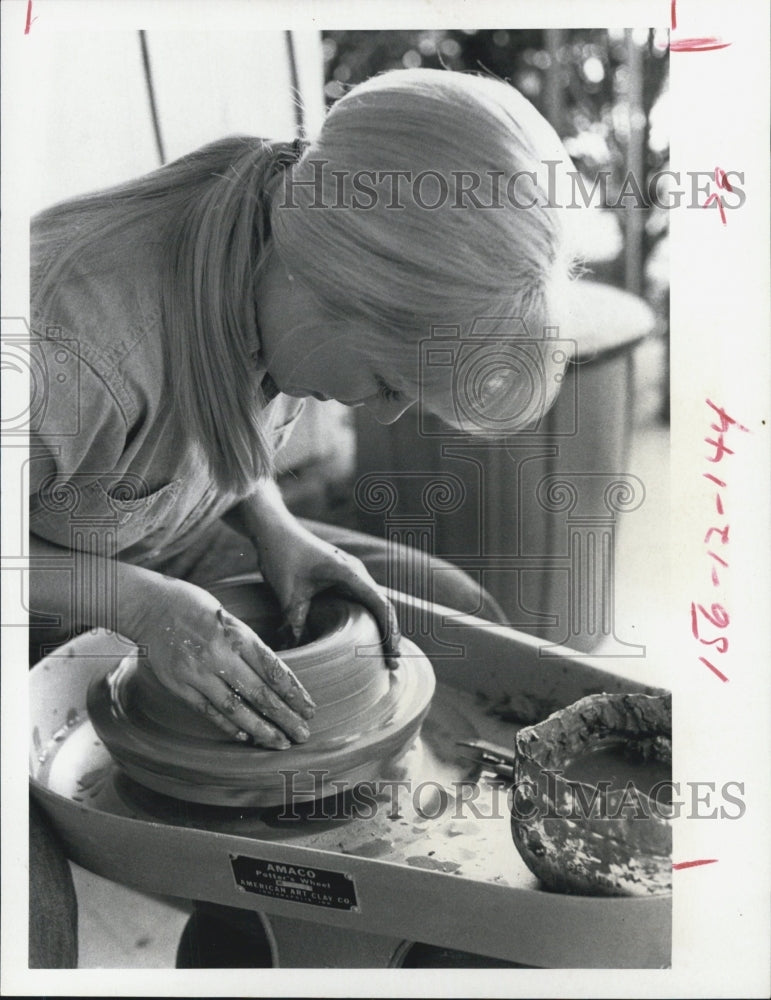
<point>590,809</point>
<point>366,716</point>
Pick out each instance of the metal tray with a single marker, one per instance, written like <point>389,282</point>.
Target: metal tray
<point>431,860</point>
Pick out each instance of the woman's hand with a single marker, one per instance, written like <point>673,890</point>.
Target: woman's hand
<point>218,665</point>
<point>298,565</point>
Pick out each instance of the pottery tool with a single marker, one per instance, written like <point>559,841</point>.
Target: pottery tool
<point>490,756</point>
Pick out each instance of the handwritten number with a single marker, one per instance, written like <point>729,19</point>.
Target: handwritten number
<point>713,668</point>
<point>723,532</point>
<point>719,617</point>
<point>720,644</point>
<point>725,421</point>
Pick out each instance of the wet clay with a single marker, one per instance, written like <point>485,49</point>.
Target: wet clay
<point>366,714</point>
<point>617,766</point>
<point>590,812</point>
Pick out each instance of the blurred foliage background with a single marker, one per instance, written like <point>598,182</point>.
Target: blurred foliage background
<point>604,91</point>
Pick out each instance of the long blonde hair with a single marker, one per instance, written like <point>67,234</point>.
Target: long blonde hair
<point>210,209</point>
<point>403,272</point>
<point>408,263</point>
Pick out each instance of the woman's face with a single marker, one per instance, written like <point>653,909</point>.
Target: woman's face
<point>309,354</point>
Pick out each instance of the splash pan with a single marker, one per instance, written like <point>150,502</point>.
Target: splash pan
<point>367,716</point>
<point>429,851</point>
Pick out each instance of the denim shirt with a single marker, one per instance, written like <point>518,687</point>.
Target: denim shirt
<point>109,472</point>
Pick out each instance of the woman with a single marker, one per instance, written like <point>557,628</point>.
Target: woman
<point>197,305</point>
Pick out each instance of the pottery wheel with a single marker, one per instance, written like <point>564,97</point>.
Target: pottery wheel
<point>367,715</point>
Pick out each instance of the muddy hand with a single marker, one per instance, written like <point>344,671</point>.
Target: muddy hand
<point>348,575</point>
<point>221,668</point>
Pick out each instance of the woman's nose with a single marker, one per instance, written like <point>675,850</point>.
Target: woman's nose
<point>386,411</point>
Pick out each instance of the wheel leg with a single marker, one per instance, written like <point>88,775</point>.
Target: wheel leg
<point>302,944</point>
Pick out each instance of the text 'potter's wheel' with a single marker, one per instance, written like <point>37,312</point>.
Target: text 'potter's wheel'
<point>366,714</point>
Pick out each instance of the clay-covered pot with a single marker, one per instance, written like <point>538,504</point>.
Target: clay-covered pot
<point>590,808</point>
<point>366,714</point>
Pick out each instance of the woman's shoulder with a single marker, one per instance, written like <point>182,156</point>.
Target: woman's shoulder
<point>105,307</point>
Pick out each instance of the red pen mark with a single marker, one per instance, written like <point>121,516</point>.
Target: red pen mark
<point>718,618</point>
<point>723,563</point>
<point>721,448</point>
<point>698,45</point>
<point>714,670</point>
<point>722,182</point>
<point>719,200</point>
<point>692,44</point>
<point>723,532</point>
<point>694,864</point>
<point>715,617</point>
<point>30,18</point>
<point>725,420</point>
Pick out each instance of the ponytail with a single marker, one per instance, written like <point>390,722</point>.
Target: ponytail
<point>214,204</point>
